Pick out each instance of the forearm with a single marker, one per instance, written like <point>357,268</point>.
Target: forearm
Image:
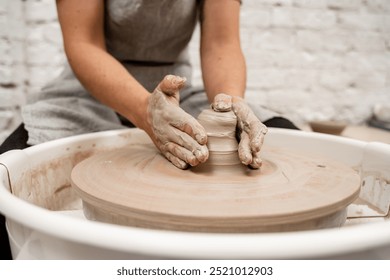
<point>224,70</point>
<point>223,64</point>
<point>108,81</point>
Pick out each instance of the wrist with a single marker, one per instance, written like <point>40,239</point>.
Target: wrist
<point>138,115</point>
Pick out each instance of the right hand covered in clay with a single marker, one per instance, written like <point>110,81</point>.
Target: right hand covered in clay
<point>250,129</point>
<point>179,136</point>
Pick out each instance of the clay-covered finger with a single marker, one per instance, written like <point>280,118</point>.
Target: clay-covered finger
<point>171,84</point>
<point>222,103</point>
<point>257,132</point>
<point>181,153</point>
<point>256,161</point>
<point>184,140</point>
<point>176,161</point>
<point>188,124</point>
<point>244,150</point>
<point>203,154</point>
<point>250,124</point>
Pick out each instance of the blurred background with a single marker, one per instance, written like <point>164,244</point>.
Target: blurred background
<point>307,59</point>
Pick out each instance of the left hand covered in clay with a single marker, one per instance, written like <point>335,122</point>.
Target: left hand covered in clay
<point>179,136</point>
<point>250,129</point>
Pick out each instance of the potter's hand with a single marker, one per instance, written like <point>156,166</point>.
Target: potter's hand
<point>250,130</point>
<point>179,137</point>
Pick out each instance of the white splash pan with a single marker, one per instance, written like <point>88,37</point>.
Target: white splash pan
<point>36,179</point>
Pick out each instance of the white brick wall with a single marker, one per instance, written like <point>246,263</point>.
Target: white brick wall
<point>319,59</point>
<point>12,68</point>
<point>309,59</point>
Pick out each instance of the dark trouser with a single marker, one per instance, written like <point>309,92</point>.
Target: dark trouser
<point>18,140</point>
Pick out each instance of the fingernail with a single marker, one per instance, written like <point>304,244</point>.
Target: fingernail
<point>179,80</point>
<point>201,139</point>
<point>182,165</point>
<point>259,162</point>
<point>223,107</point>
<point>202,155</point>
<point>245,160</point>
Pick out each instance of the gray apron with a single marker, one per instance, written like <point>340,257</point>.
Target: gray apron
<point>150,38</point>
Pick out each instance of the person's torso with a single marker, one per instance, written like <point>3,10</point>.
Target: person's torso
<point>149,30</point>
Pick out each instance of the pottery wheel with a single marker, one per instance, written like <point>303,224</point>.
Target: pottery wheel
<point>137,186</point>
